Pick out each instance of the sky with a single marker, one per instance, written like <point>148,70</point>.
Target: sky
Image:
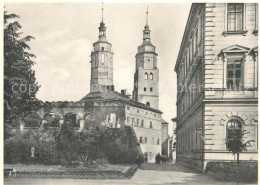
<point>64,36</point>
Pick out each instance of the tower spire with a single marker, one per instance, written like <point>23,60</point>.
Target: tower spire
<point>102,28</point>
<point>147,15</point>
<point>146,32</point>
<point>102,10</point>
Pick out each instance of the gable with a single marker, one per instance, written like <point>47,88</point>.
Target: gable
<point>235,49</point>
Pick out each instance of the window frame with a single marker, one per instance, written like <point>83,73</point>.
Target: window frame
<point>227,32</point>
<point>234,69</point>
<point>234,119</point>
<point>235,13</point>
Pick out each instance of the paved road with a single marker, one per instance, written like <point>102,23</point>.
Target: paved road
<point>148,174</point>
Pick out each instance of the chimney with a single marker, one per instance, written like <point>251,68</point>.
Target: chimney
<point>123,92</point>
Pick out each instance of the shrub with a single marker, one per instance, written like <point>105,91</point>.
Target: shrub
<point>17,149</point>
<point>245,171</point>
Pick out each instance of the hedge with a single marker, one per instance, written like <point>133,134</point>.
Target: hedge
<point>244,171</point>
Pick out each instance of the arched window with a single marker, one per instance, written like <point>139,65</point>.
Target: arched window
<point>52,119</point>
<point>234,129</point>
<point>146,76</point>
<point>102,49</point>
<point>71,120</point>
<point>148,104</point>
<point>151,76</point>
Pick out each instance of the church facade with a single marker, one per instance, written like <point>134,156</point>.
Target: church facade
<point>139,113</point>
<point>217,77</point>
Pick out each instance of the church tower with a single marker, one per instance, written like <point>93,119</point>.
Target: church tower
<point>101,60</point>
<point>146,77</point>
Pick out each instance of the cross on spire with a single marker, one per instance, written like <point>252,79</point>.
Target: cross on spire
<point>147,15</point>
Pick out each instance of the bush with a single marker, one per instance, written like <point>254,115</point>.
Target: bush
<point>245,171</point>
<point>102,161</point>
<point>17,149</point>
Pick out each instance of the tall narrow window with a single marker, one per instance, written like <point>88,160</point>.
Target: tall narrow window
<point>144,88</point>
<point>158,141</point>
<point>235,16</point>
<point>190,52</point>
<point>234,129</point>
<point>103,58</point>
<point>141,140</point>
<point>196,41</point>
<point>145,140</point>
<point>234,74</point>
<point>142,123</point>
<point>146,76</point>
<point>151,125</point>
<point>151,76</point>
<point>151,89</point>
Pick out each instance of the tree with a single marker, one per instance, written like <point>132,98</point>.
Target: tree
<point>20,86</point>
<point>80,147</point>
<point>236,145</point>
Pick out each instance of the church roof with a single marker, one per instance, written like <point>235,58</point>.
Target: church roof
<point>116,96</point>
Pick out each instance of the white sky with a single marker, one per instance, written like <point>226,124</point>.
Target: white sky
<point>65,33</point>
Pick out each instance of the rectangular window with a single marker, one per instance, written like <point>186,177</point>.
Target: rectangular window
<point>234,74</point>
<point>187,60</point>
<point>196,41</point>
<point>151,125</point>
<point>235,16</point>
<point>142,123</point>
<point>141,140</point>
<point>190,52</point>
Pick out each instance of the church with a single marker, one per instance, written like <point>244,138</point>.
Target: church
<point>139,112</point>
